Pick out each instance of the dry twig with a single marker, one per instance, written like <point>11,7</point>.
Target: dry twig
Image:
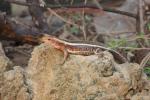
<point>145,60</point>
<point>38,16</point>
<point>76,8</point>
<point>61,18</point>
<point>132,48</point>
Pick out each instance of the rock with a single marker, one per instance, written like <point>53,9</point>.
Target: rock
<point>12,80</point>
<point>13,85</point>
<point>5,63</point>
<point>95,77</point>
<point>17,12</point>
<point>147,2</point>
<point>118,24</point>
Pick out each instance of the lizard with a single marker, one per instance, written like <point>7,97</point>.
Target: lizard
<point>78,48</point>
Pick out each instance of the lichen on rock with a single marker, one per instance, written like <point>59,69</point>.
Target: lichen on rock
<point>13,86</point>
<point>12,80</point>
<point>95,77</point>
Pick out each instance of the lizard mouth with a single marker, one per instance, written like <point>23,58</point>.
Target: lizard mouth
<point>45,38</point>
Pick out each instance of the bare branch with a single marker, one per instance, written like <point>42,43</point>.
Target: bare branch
<point>70,7</point>
<point>145,60</point>
<point>10,30</point>
<point>37,15</point>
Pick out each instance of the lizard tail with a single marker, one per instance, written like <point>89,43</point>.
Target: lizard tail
<point>118,56</point>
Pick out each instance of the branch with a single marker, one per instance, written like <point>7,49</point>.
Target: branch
<point>11,30</point>
<point>132,48</point>
<point>145,60</point>
<point>141,16</point>
<point>37,15</point>
<point>63,7</point>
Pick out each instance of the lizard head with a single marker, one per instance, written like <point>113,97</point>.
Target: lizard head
<point>55,42</point>
<point>47,39</point>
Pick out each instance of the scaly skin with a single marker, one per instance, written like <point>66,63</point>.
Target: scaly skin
<point>79,48</point>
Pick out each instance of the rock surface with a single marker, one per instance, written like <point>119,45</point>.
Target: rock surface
<point>95,77</point>
<point>12,80</point>
<point>5,63</point>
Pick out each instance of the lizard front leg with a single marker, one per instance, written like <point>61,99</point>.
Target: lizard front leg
<point>65,56</point>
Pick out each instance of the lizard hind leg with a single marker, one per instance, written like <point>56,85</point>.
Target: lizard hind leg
<point>99,52</point>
